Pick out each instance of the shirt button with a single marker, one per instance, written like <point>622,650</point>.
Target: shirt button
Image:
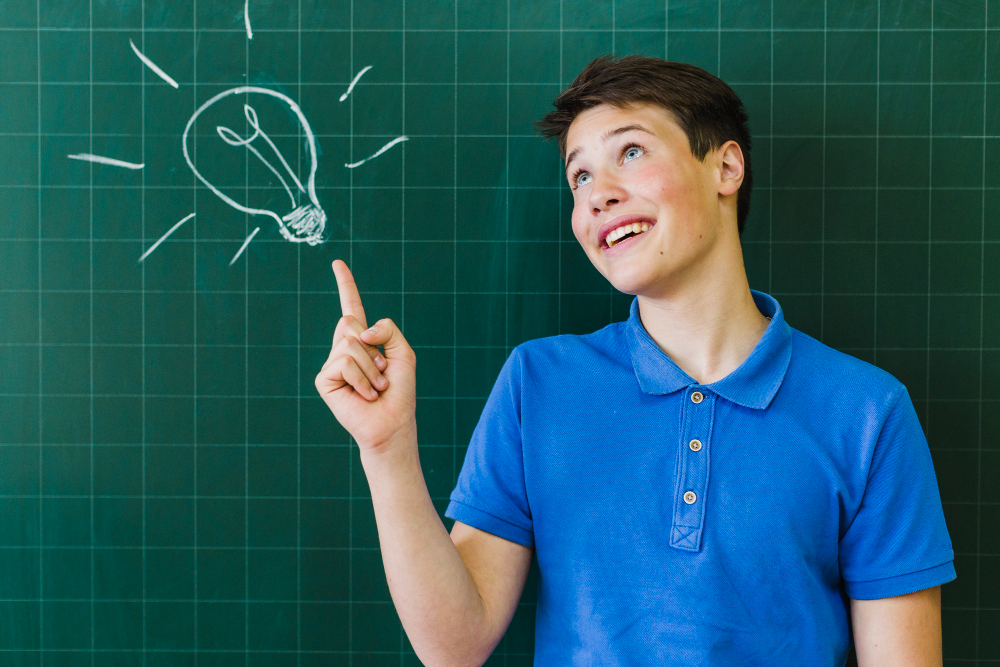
<point>695,445</point>
<point>690,497</point>
<point>697,397</point>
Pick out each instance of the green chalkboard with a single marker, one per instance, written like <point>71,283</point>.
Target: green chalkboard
<point>172,489</point>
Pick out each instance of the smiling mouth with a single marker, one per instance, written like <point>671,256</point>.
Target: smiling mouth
<point>626,232</point>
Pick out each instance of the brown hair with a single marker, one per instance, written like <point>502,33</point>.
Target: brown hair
<point>703,105</point>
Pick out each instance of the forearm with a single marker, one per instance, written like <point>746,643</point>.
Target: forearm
<point>435,596</point>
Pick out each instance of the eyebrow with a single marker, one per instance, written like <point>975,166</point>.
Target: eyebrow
<point>611,133</point>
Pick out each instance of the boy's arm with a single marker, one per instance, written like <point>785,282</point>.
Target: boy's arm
<point>455,595</point>
<point>454,598</point>
<point>499,569</point>
<point>901,630</point>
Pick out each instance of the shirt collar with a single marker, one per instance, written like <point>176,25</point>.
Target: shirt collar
<point>753,384</point>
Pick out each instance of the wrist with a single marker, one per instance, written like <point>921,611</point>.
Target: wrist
<point>398,448</point>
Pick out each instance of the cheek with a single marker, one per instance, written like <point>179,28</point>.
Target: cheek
<point>579,225</point>
<point>683,199</point>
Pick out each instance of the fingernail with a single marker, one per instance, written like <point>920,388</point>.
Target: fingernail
<point>381,381</point>
<point>373,331</point>
<point>380,362</point>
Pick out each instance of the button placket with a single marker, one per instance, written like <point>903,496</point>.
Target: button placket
<point>692,470</point>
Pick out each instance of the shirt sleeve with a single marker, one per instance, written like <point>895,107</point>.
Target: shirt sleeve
<point>898,542</point>
<point>490,494</point>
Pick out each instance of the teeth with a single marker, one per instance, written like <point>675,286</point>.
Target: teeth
<point>635,228</point>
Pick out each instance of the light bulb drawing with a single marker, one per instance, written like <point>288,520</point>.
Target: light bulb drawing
<point>303,218</point>
<point>305,222</point>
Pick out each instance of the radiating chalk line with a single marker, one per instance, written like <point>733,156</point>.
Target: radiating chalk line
<point>163,238</point>
<point>243,247</point>
<point>246,18</point>
<point>354,82</point>
<point>377,153</point>
<point>151,65</point>
<point>105,160</point>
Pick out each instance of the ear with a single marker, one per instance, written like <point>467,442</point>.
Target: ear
<point>730,162</point>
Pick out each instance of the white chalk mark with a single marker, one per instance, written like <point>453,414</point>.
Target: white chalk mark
<point>305,222</point>
<point>243,247</point>
<point>377,153</point>
<point>246,18</point>
<point>151,65</point>
<point>351,87</point>
<point>251,117</point>
<point>163,238</point>
<point>233,139</point>
<point>105,160</point>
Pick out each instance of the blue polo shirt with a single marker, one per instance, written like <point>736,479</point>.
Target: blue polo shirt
<point>719,524</point>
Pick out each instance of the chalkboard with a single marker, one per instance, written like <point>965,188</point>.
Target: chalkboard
<point>173,491</point>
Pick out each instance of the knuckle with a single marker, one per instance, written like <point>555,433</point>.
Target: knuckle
<point>340,365</point>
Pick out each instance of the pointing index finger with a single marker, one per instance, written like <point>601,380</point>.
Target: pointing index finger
<point>350,299</point>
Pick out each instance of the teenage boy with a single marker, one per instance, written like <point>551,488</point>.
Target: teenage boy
<point>701,484</point>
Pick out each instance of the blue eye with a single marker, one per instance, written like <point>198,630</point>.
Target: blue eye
<point>582,179</point>
<point>631,153</point>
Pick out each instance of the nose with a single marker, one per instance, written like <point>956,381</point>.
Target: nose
<point>605,193</point>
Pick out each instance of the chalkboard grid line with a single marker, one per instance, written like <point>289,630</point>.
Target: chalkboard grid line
<point>246,404</point>
<point>41,378</point>
<point>982,314</point>
<point>822,247</point>
<point>298,403</point>
<point>93,420</point>
<point>770,162</point>
<point>142,272</point>
<point>714,29</point>
<point>195,576</point>
<point>878,142</point>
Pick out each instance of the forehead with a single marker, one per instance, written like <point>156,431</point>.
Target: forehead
<point>593,126</point>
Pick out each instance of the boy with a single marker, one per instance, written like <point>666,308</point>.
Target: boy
<point>701,484</point>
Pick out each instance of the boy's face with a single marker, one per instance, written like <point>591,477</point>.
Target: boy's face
<point>634,165</point>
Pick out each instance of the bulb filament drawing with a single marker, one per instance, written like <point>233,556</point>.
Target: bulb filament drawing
<point>305,219</point>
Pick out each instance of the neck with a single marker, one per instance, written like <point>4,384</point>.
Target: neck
<point>710,324</point>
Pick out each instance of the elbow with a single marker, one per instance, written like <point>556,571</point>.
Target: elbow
<point>452,656</point>
<point>465,646</point>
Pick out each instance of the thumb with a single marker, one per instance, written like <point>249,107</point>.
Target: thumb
<point>387,334</point>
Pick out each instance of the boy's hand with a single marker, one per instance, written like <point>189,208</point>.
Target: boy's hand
<point>374,398</point>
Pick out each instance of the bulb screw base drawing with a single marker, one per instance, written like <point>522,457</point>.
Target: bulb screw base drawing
<point>305,223</point>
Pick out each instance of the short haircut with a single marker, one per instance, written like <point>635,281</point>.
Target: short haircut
<point>703,105</point>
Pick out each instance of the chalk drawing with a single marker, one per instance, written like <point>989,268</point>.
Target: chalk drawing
<point>354,83</point>
<point>151,65</point>
<point>105,160</point>
<point>164,237</point>
<point>389,145</point>
<point>243,247</point>
<point>305,222</point>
